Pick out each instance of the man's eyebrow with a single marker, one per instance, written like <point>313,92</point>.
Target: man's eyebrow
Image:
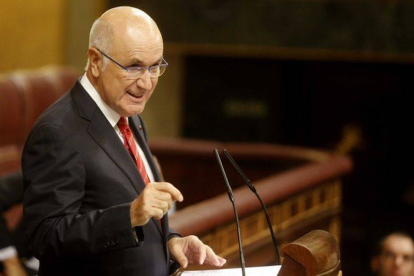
<point>158,61</point>
<point>136,61</point>
<point>140,62</point>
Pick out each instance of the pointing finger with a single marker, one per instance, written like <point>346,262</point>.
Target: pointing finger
<point>169,188</point>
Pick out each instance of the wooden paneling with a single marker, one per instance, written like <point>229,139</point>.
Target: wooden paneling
<point>291,53</point>
<point>374,26</point>
<point>80,16</point>
<point>318,208</point>
<point>31,33</point>
<point>301,187</point>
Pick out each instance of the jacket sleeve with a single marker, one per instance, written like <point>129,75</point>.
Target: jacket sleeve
<point>55,179</point>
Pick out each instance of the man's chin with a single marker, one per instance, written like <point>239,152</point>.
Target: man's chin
<point>132,111</point>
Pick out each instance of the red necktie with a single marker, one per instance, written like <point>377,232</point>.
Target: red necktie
<point>129,144</point>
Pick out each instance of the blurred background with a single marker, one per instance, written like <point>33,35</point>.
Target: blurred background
<point>332,75</point>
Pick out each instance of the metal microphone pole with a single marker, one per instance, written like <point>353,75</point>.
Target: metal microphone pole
<point>253,189</point>
<point>231,196</point>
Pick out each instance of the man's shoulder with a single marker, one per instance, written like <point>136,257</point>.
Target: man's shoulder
<point>61,114</point>
<point>57,113</point>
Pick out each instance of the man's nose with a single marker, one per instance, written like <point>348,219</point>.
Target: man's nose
<point>144,82</point>
<point>399,260</point>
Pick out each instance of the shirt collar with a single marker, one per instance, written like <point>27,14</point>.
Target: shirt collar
<point>108,112</point>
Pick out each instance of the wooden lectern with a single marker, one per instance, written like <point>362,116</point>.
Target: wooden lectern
<point>315,254</point>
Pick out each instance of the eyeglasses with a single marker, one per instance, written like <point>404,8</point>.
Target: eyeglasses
<point>135,72</point>
<point>391,256</point>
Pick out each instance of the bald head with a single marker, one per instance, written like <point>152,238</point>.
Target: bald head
<point>124,56</point>
<point>121,24</point>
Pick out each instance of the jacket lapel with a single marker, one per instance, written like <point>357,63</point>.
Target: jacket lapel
<point>138,129</point>
<point>105,136</point>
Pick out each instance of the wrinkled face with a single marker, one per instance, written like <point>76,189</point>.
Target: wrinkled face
<point>134,48</point>
<point>397,257</point>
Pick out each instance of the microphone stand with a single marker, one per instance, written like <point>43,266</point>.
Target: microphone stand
<point>231,196</point>
<point>253,189</point>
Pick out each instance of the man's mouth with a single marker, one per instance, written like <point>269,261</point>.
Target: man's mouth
<point>135,96</point>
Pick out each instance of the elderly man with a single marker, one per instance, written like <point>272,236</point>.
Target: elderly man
<point>394,256</point>
<point>94,203</point>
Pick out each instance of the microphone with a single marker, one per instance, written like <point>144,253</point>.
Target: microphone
<point>231,196</point>
<point>253,189</point>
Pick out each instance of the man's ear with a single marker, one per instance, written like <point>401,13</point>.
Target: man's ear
<point>95,62</point>
<point>374,264</point>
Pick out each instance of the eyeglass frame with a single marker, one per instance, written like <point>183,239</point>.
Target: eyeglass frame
<point>140,67</point>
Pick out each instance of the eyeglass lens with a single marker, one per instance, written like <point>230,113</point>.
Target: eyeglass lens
<point>155,71</point>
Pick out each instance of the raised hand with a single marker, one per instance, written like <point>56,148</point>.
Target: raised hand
<point>154,202</point>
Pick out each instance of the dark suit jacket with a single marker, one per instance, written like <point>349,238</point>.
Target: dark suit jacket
<point>79,184</point>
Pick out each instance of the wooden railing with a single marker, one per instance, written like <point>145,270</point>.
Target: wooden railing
<point>306,195</point>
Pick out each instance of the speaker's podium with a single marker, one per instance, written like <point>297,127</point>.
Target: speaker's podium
<point>315,254</point>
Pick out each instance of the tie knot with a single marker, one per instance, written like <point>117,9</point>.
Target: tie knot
<point>123,124</point>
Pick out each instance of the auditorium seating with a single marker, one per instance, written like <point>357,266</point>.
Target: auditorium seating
<point>23,97</point>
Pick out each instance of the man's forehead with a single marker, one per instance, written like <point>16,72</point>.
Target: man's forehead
<point>401,244</point>
<point>131,22</point>
<point>139,54</point>
<point>148,35</point>
<point>138,44</point>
